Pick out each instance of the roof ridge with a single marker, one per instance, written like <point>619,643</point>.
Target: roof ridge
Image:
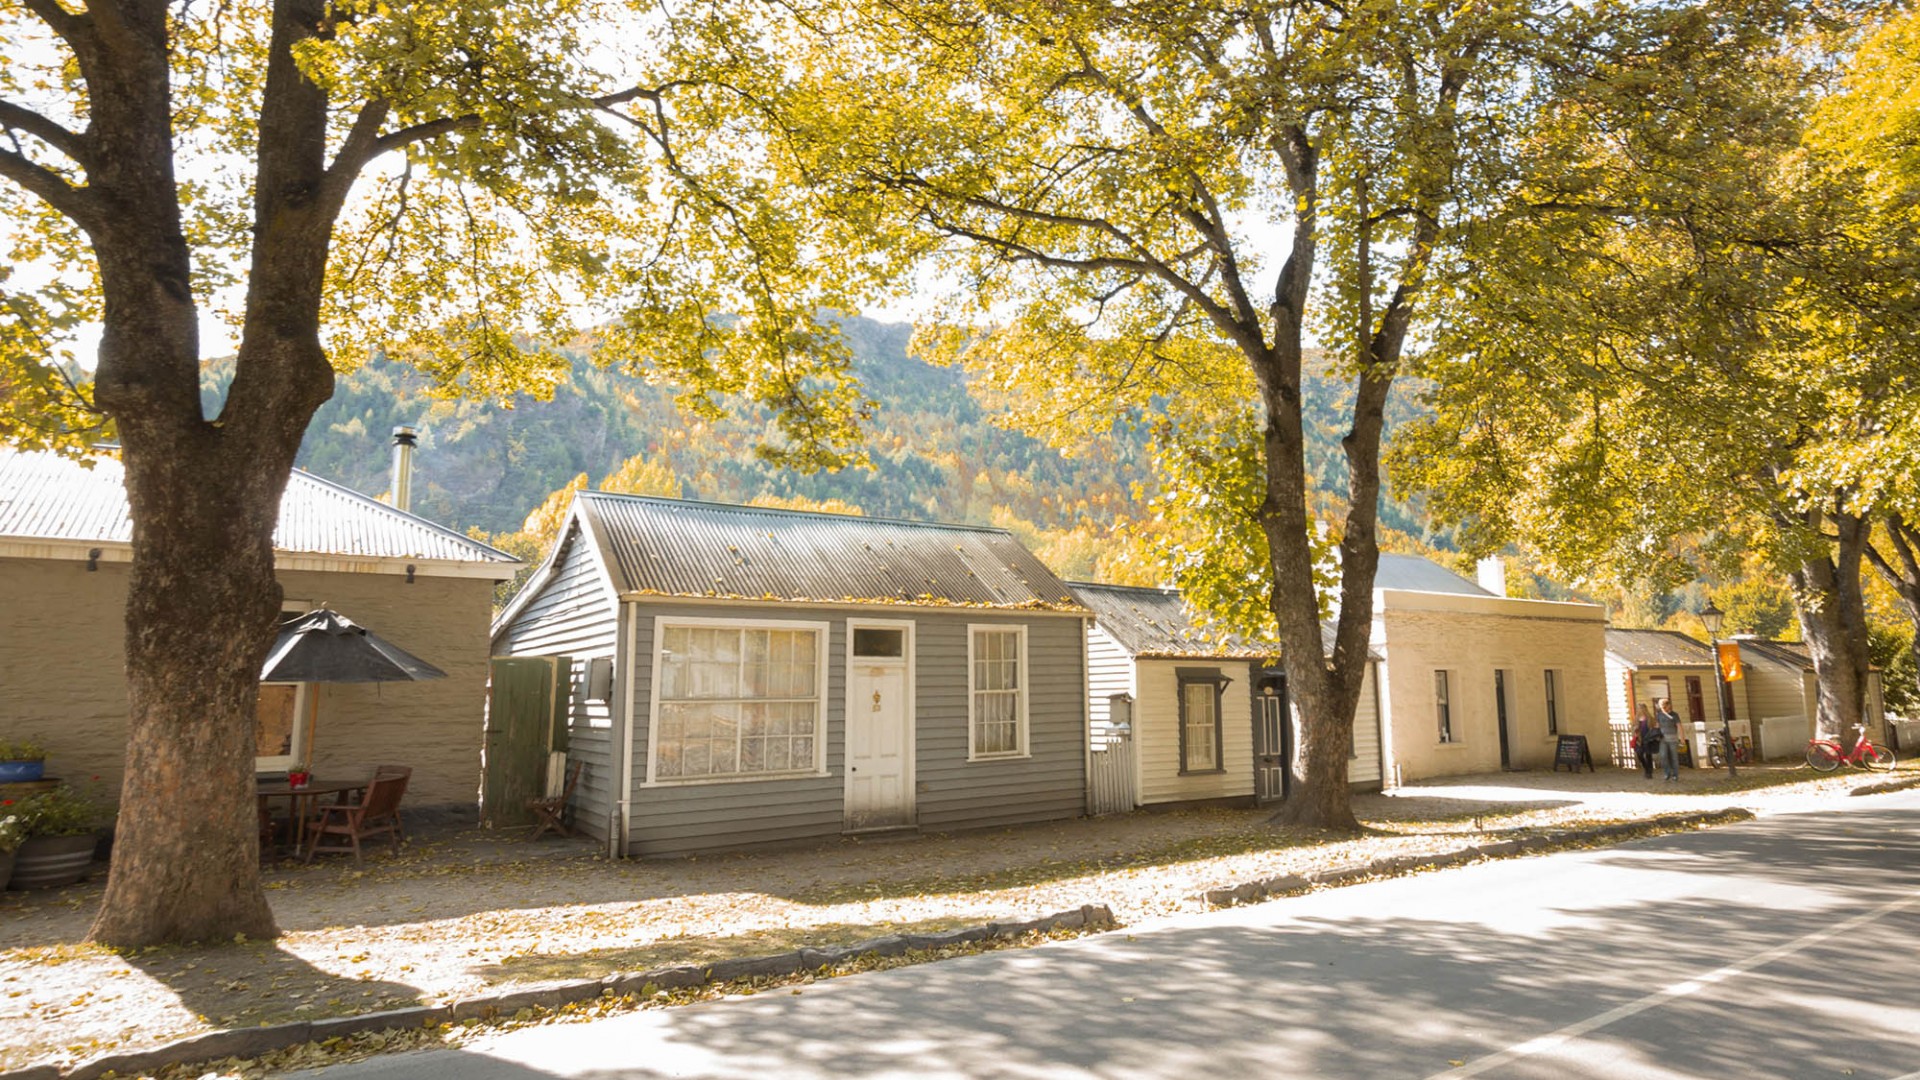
<point>951,526</point>
<point>1113,585</point>
<point>407,516</point>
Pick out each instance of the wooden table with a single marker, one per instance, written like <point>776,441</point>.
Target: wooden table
<point>298,799</point>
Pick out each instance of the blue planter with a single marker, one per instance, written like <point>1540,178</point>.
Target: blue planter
<point>13,772</point>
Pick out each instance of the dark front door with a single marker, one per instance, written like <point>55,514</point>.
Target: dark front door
<point>1500,713</point>
<point>1271,739</point>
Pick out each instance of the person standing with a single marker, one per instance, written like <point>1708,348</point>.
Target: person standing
<point>1669,723</point>
<point>1646,739</point>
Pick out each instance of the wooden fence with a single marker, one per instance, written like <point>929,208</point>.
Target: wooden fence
<point>1110,775</point>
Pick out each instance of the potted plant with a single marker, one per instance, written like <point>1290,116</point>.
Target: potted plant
<point>13,832</point>
<point>21,760</point>
<point>63,825</point>
<point>298,775</point>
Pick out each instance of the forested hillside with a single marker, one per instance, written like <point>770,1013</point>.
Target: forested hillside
<point>936,453</point>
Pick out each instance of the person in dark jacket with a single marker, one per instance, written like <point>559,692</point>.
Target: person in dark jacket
<point>1646,739</point>
<point>1669,722</point>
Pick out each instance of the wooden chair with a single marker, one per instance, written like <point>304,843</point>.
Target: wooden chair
<point>550,813</point>
<point>403,772</point>
<point>376,814</point>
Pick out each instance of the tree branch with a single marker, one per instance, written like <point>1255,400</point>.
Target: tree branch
<point>71,143</point>
<point>73,29</point>
<point>78,203</point>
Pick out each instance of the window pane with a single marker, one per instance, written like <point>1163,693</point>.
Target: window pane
<point>740,701</point>
<point>881,643</point>
<point>1199,699</point>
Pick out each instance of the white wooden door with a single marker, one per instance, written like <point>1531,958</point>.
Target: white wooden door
<point>879,730</point>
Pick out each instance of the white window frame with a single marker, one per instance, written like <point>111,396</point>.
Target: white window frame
<point>1024,728</point>
<point>822,634</point>
<point>1552,679</point>
<point>1443,703</point>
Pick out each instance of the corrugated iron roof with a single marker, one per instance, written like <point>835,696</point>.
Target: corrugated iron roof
<point>678,547</point>
<point>1792,654</point>
<point>1657,648</point>
<point>47,497</point>
<point>1412,573</point>
<point>1156,622</point>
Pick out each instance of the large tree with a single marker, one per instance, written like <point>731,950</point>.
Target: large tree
<point>1692,337</point>
<point>1165,206</point>
<point>1873,125</point>
<point>448,180</point>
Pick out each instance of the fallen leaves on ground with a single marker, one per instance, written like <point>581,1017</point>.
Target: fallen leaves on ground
<point>464,913</point>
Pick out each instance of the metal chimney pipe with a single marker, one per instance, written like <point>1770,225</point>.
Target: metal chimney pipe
<point>404,439</point>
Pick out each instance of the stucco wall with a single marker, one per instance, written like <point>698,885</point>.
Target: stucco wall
<point>1471,638</point>
<point>62,662</point>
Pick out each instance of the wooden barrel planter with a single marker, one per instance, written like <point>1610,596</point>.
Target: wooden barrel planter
<point>46,862</point>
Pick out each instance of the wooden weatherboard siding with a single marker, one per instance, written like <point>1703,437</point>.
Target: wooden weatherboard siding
<point>1050,782</point>
<point>1363,771</point>
<point>1109,672</point>
<point>950,792</point>
<point>1157,733</point>
<point>572,615</point>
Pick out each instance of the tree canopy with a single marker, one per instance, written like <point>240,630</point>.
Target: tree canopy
<point>1694,334</point>
<point>450,182</point>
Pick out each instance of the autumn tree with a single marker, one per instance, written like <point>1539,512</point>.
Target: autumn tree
<point>452,181</point>
<point>1689,335</point>
<point>1161,206</point>
<point>1873,124</point>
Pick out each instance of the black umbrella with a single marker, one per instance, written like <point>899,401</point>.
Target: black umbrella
<point>327,647</point>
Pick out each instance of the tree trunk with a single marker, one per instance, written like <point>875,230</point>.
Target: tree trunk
<point>204,497</point>
<point>1832,611</point>
<point>1903,576</point>
<point>202,601</point>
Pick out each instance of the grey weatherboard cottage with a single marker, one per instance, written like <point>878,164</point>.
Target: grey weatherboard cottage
<point>736,676</point>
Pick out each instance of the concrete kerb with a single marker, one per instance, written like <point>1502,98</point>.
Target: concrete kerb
<point>1248,892</point>
<point>1885,786</point>
<point>254,1042</point>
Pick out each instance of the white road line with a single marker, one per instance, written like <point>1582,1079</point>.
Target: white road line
<point>1566,1034</point>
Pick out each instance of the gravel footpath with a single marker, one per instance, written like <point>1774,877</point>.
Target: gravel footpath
<point>464,913</point>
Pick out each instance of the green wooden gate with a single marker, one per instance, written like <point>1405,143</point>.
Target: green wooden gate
<point>526,721</point>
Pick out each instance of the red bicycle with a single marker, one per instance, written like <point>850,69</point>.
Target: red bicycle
<point>1825,755</point>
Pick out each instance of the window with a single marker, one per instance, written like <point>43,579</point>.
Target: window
<point>282,713</point>
<point>1658,687</point>
<point>279,726</point>
<point>1200,693</point>
<point>1553,703</point>
<point>879,643</point>
<point>997,705</point>
<point>737,700</point>
<point>1443,707</point>
<point>1696,701</point>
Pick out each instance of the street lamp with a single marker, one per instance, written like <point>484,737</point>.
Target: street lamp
<point>1712,617</point>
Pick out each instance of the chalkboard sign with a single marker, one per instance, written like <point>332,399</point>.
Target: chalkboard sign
<point>1572,752</point>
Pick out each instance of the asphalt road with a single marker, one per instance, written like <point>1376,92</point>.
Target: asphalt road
<point>1787,947</point>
